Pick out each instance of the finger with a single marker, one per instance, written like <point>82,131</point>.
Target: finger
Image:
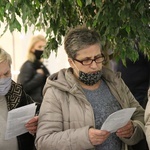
<point>100,133</point>
<point>32,128</point>
<point>35,119</point>
<point>31,124</point>
<point>97,136</point>
<point>100,139</point>
<point>126,128</point>
<point>28,126</point>
<point>125,133</point>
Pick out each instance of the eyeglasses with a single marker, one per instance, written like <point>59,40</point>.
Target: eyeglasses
<point>87,62</point>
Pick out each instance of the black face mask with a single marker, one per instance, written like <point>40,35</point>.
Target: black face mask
<point>90,78</point>
<point>38,54</point>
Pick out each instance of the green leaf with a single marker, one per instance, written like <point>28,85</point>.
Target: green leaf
<point>15,25</point>
<point>79,3</point>
<point>114,1</point>
<point>7,6</point>
<point>88,2</point>
<point>128,29</point>
<point>98,3</point>
<point>117,21</point>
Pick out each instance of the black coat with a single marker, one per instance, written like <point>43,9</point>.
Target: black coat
<point>136,75</point>
<point>32,81</point>
<point>16,97</point>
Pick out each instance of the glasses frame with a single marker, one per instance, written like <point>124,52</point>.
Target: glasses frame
<point>81,61</point>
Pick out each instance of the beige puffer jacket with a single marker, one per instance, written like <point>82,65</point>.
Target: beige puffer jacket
<point>147,120</point>
<point>66,115</point>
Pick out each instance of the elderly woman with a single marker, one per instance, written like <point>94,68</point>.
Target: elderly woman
<point>13,96</point>
<point>78,100</point>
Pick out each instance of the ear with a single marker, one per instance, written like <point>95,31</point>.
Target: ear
<point>32,50</point>
<point>71,62</point>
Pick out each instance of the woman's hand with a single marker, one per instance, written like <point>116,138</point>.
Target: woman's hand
<point>98,136</point>
<point>31,125</point>
<point>126,131</point>
<point>40,71</point>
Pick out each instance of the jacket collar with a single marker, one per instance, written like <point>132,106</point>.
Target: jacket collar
<point>110,76</point>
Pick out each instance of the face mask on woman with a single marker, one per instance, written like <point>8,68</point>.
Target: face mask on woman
<point>38,54</point>
<point>5,84</point>
<point>90,78</point>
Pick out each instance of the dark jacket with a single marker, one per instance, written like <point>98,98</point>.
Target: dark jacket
<point>136,75</point>
<point>16,97</point>
<point>32,81</point>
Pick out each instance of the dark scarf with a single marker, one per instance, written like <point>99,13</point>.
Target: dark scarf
<point>14,95</point>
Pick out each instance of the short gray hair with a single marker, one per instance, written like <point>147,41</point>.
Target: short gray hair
<point>4,56</point>
<point>80,38</point>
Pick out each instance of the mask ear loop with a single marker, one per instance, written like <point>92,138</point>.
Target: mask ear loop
<point>76,71</point>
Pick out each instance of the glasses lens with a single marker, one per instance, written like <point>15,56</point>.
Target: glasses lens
<point>99,59</point>
<point>87,62</point>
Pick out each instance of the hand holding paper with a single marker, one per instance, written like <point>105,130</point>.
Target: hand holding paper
<point>16,120</point>
<point>31,125</point>
<point>118,119</point>
<point>97,136</point>
<point>126,131</point>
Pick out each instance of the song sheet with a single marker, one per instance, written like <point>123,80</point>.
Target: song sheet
<point>118,119</point>
<point>17,118</point>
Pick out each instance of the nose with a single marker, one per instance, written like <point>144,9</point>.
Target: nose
<point>93,64</point>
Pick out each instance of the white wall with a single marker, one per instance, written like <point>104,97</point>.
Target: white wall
<point>55,63</point>
<point>16,45</point>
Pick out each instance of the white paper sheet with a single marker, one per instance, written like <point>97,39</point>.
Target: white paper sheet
<point>117,119</point>
<point>16,120</point>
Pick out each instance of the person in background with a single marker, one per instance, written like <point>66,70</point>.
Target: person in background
<point>13,96</point>
<point>33,72</point>
<point>147,120</point>
<point>136,75</point>
<point>78,100</point>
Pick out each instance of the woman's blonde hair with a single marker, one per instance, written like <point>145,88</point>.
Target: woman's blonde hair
<point>34,40</point>
<point>4,56</point>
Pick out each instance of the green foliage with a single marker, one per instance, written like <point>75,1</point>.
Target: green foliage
<point>120,23</point>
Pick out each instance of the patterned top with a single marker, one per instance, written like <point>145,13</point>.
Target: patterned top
<point>17,97</point>
<point>104,104</point>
